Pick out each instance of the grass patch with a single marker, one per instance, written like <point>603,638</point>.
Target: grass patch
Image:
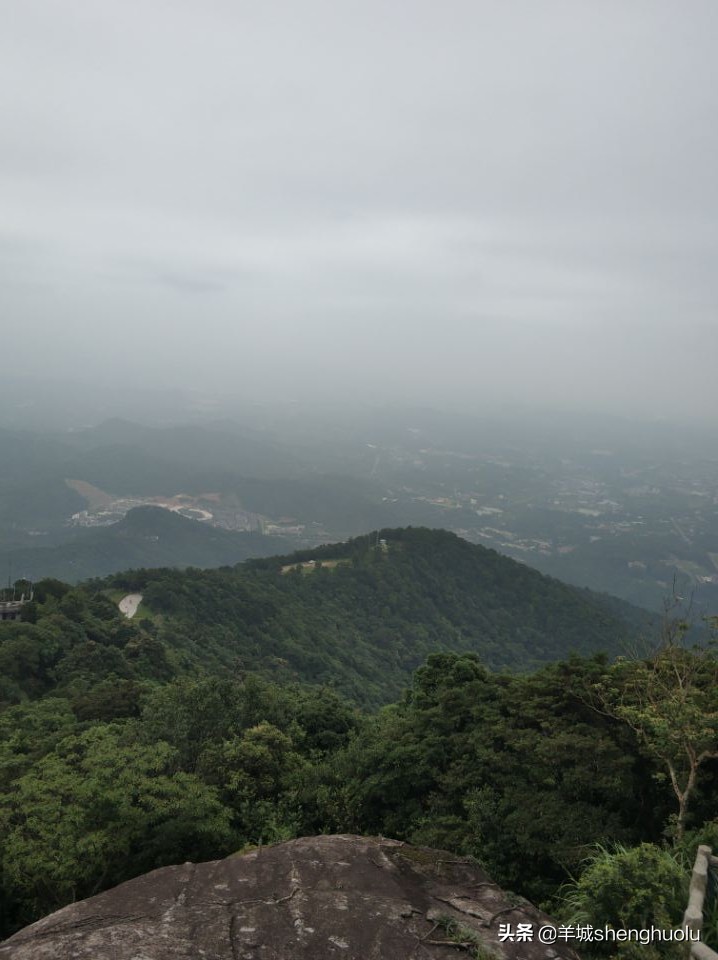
<point>464,938</point>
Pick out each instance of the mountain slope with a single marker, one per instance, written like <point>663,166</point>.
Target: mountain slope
<point>365,614</point>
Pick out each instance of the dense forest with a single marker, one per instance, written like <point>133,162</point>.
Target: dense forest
<point>361,616</point>
<point>130,744</point>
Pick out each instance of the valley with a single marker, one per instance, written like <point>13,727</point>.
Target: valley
<point>639,521</point>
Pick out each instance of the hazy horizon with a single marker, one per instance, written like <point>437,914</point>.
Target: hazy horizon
<point>467,205</point>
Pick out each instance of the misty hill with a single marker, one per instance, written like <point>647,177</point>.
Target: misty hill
<point>126,457</point>
<point>626,519</point>
<point>361,617</point>
<point>145,537</point>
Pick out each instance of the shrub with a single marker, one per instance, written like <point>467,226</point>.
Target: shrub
<point>629,888</point>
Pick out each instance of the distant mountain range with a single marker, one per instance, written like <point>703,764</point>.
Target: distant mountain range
<point>623,519</point>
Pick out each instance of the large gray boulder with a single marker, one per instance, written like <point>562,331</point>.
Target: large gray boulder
<point>348,897</point>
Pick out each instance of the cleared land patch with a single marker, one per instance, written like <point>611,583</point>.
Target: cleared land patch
<point>95,498</point>
<point>309,566</point>
<point>129,604</point>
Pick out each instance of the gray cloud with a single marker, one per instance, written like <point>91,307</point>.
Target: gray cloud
<point>460,200</point>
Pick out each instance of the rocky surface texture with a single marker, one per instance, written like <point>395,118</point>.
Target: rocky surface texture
<point>347,897</point>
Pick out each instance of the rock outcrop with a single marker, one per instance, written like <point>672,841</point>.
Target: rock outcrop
<point>348,897</point>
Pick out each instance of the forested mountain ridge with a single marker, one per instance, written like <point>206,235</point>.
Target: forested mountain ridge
<point>361,616</point>
<point>357,617</point>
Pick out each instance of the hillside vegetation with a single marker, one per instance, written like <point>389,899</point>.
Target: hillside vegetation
<point>126,745</point>
<point>364,625</point>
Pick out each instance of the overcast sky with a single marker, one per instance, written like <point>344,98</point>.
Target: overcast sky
<point>451,200</point>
